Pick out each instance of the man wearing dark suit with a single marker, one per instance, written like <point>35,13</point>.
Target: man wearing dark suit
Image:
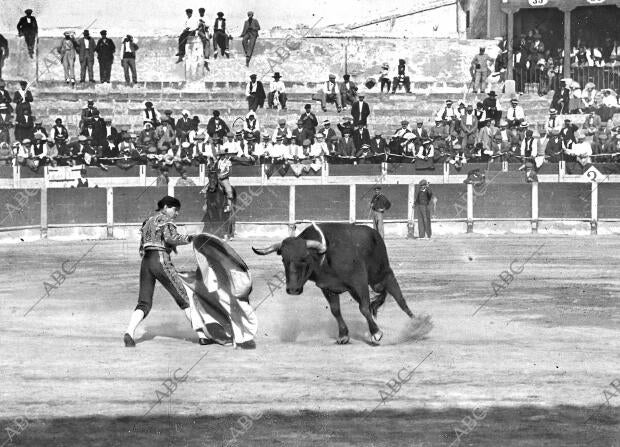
<point>183,126</point>
<point>378,145</point>
<point>361,136</point>
<point>23,94</point>
<point>217,129</point>
<point>111,133</point>
<point>346,146</point>
<point>346,125</point>
<point>99,130</point>
<point>4,52</point>
<point>5,114</point>
<point>86,50</point>
<point>24,128</point>
<point>255,94</point>
<point>360,111</point>
<point>249,35</point>
<point>27,27</point>
<point>309,123</point>
<point>105,55</point>
<point>220,38</point>
<point>329,135</point>
<point>348,90</point>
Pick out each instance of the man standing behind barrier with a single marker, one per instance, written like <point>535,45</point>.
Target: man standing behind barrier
<point>378,205</point>
<point>27,27</point>
<point>423,199</point>
<point>249,35</point>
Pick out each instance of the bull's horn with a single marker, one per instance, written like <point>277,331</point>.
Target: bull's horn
<point>323,241</point>
<point>266,251</point>
<point>321,248</point>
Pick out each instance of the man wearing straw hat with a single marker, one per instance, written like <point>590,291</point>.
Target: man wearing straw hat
<point>67,49</point>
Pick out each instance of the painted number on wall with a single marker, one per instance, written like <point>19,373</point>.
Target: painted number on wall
<point>538,2</point>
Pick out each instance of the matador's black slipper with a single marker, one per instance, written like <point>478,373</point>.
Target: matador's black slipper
<point>206,341</point>
<point>129,343</point>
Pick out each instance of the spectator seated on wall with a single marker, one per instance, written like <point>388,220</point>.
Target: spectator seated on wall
<point>6,155</point>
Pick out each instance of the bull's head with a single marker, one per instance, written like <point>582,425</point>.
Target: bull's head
<point>300,258</point>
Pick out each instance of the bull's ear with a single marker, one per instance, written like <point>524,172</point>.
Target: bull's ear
<point>265,251</point>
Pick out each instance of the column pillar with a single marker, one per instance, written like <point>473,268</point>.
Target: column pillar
<point>567,47</point>
<point>510,44</point>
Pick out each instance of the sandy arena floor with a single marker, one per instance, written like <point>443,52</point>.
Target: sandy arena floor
<point>528,369</point>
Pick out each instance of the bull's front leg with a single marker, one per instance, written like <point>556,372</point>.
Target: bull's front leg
<point>361,295</point>
<point>334,304</point>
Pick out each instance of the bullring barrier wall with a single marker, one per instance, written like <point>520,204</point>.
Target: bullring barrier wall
<point>487,208</point>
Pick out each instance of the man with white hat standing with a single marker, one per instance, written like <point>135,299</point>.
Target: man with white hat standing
<point>277,93</point>
<point>480,70</point>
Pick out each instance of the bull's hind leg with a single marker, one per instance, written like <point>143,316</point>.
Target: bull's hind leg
<point>391,285</point>
<point>377,301</point>
<point>334,304</point>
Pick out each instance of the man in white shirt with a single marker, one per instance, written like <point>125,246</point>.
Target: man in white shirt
<point>189,29</point>
<point>277,95</point>
<point>255,93</point>
<point>449,114</point>
<point>330,93</point>
<point>581,149</point>
<point>553,122</point>
<point>515,114</point>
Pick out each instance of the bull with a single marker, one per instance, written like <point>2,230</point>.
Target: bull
<point>340,258</point>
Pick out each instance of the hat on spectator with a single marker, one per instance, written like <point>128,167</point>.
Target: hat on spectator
<point>306,142</point>
<point>68,33</point>
<point>189,10</point>
<point>590,85</point>
<point>185,112</point>
<point>404,122</point>
<point>448,101</point>
<point>346,119</point>
<point>492,94</point>
<point>365,146</point>
<point>148,104</point>
<point>220,14</point>
<point>308,106</point>
<point>28,11</point>
<point>90,102</point>
<point>81,138</point>
<point>281,121</point>
<point>334,138</point>
<point>514,100</point>
<point>567,120</point>
<point>346,131</point>
<point>89,138</point>
<point>167,112</point>
<point>423,182</point>
<point>524,124</point>
<point>200,136</point>
<point>230,135</point>
<point>378,133</point>
<point>253,76</point>
<point>575,85</point>
<point>427,141</point>
<point>319,135</point>
<point>276,75</point>
<point>103,32</point>
<point>497,136</point>
<point>185,145</point>
<point>385,65</point>
<point>58,120</point>
<point>2,83</point>
<point>536,134</point>
<point>552,111</point>
<point>457,146</point>
<point>147,121</point>
<point>331,76</point>
<point>326,122</point>
<point>39,136</point>
<point>300,122</point>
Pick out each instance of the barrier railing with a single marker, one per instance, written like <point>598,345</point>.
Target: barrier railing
<point>107,208</point>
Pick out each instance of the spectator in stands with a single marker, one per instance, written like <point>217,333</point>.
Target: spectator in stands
<point>105,50</point>
<point>128,59</point>
<point>150,113</point>
<point>328,133</point>
<point>479,70</point>
<point>401,79</point>
<point>568,134</point>
<point>110,131</point>
<point>110,150</point>
<point>251,128</point>
<point>320,148</point>
<point>183,126</point>
<point>591,124</point>
<point>481,115</point>
<point>384,78</point>
<point>185,180</point>
<point>449,114</point>
<point>28,28</point>
<point>588,96</point>
<point>4,52</point>
<point>346,146</point>
<point>309,123</point>
<point>346,124</point>
<point>168,117</point>
<point>378,145</point>
<point>330,93</point>
<point>220,37</point>
<point>469,126</point>
<point>189,30</point>
<point>281,132</point>
<point>249,36</point>
<point>87,56</point>
<point>82,182</point>
<point>24,127</point>
<point>205,37</point>
<point>224,168</point>
<point>23,94</point>
<point>491,107</point>
<point>38,127</point>
<point>217,128</point>
<point>360,110</point>
<point>515,114</point>
<point>609,105</point>
<point>68,49</point>
<point>561,97</point>
<point>348,91</point>
<point>6,155</point>
<point>277,93</point>
<point>485,136</point>
<point>425,155</point>
<point>361,137</point>
<point>255,93</point>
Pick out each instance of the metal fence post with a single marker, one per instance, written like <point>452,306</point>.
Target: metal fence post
<point>470,208</point>
<point>594,209</point>
<point>291,210</point>
<point>110,211</point>
<point>43,213</point>
<point>534,207</point>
